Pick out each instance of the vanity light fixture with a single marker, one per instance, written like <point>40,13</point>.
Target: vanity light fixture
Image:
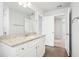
<point>59,6</point>
<point>25,4</point>
<point>20,3</point>
<point>29,3</point>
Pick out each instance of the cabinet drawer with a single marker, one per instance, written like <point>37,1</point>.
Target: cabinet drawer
<point>30,53</point>
<point>26,46</point>
<point>21,49</point>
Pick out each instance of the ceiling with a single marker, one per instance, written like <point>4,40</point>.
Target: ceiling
<point>17,7</point>
<point>44,6</point>
<point>49,6</point>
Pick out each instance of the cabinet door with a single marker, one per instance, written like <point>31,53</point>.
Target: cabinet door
<point>40,50</point>
<point>27,50</point>
<point>49,39</point>
<point>30,53</point>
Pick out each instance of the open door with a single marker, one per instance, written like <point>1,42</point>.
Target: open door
<point>68,32</point>
<point>62,31</point>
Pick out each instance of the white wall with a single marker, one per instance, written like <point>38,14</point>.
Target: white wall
<point>56,12</point>
<point>48,30</point>
<point>48,25</point>
<point>1,18</point>
<point>1,21</point>
<point>6,21</point>
<point>58,28</point>
<point>39,13</point>
<point>75,30</point>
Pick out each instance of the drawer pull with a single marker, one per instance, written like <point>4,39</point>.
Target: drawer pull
<point>22,48</point>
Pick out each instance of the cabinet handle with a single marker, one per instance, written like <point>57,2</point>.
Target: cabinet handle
<point>22,48</point>
<point>36,47</point>
<point>67,33</point>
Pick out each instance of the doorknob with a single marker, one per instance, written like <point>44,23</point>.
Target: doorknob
<point>67,33</point>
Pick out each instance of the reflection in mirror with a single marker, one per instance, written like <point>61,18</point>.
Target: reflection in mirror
<point>18,20</point>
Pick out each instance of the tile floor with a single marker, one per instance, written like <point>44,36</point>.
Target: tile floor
<point>55,52</point>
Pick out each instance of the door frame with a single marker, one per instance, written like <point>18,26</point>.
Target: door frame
<point>70,31</point>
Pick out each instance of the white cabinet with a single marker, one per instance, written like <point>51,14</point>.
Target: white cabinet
<point>49,39</point>
<point>40,48</point>
<point>34,48</point>
<point>29,52</point>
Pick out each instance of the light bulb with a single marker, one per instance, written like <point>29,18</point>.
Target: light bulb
<point>20,3</point>
<point>29,3</point>
<point>24,4</point>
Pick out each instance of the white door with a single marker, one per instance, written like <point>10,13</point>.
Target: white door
<point>67,32</point>
<point>48,30</point>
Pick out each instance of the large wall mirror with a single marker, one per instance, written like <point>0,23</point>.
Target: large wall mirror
<point>18,18</point>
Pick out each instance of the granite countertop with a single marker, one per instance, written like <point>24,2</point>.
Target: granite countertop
<point>19,40</point>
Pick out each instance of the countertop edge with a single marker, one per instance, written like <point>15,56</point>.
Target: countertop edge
<point>23,42</point>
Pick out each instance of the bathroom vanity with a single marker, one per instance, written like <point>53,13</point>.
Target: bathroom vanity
<point>30,46</point>
<point>20,20</point>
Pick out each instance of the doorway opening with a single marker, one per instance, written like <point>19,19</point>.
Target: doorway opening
<point>59,29</point>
